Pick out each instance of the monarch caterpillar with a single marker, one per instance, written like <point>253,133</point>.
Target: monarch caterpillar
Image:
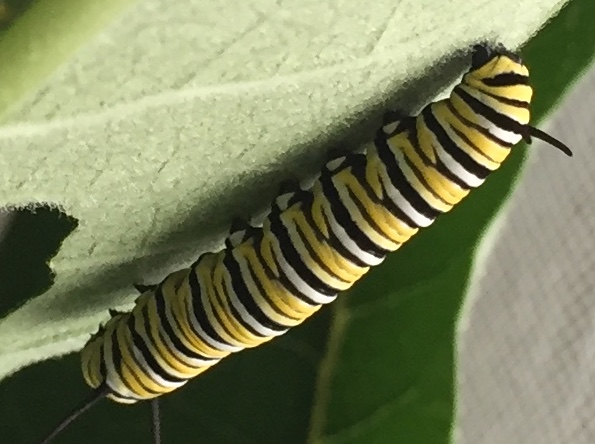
<point>316,241</point>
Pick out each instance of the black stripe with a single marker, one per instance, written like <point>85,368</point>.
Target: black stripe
<point>332,239</point>
<point>419,175</point>
<point>294,259</point>
<point>143,348</point>
<point>468,141</point>
<point>136,363</point>
<point>195,354</point>
<point>456,152</point>
<point>103,369</point>
<point>437,165</point>
<point>282,279</point>
<point>358,165</point>
<point>178,324</point>
<point>313,253</point>
<point>480,129</point>
<point>99,336</point>
<point>500,120</point>
<point>119,364</point>
<point>343,217</point>
<point>117,360</point>
<point>169,330</point>
<point>369,220</point>
<point>506,79</point>
<point>404,123</point>
<point>506,100</point>
<point>307,204</point>
<point>245,297</point>
<point>146,350</point>
<point>199,312</point>
<point>360,172</point>
<point>233,313</point>
<point>401,183</point>
<point>268,275</point>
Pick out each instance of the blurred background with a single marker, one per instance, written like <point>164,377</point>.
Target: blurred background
<point>490,346</point>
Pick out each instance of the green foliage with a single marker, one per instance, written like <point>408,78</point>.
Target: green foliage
<point>144,173</point>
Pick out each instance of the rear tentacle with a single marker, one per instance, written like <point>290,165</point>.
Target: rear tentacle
<point>156,421</point>
<point>97,394</point>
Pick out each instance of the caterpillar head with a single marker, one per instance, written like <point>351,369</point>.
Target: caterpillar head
<point>497,72</point>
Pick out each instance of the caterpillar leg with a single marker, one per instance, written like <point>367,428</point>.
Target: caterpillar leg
<point>239,231</point>
<point>392,116</point>
<point>394,122</point>
<point>335,153</point>
<point>141,288</point>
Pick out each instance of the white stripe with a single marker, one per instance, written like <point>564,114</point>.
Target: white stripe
<point>352,208</point>
<point>205,337</point>
<point>245,314</point>
<point>112,378</point>
<point>215,323</point>
<point>300,245</point>
<point>395,195</point>
<point>194,362</point>
<point>455,167</point>
<point>147,369</point>
<point>296,280</point>
<point>455,137</point>
<point>408,172</point>
<point>346,241</point>
<point>251,283</point>
<point>223,346</point>
<point>506,136</point>
<point>165,364</point>
<point>470,179</point>
<point>155,376</point>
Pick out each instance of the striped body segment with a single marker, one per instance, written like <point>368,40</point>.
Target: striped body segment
<point>316,242</point>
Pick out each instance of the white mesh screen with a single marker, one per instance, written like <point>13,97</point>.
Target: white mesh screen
<point>527,344</point>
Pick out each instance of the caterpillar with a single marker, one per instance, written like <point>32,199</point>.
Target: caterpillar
<point>316,241</point>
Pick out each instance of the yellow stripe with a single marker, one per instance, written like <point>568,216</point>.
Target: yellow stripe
<point>91,362</point>
<point>266,248</point>
<point>211,303</point>
<point>521,92</point>
<point>447,119</point>
<point>393,229</point>
<point>373,212</point>
<point>198,344</point>
<point>520,114</point>
<point>497,65</point>
<point>491,149</point>
<point>317,210</point>
<point>341,280</point>
<point>166,358</point>
<point>342,181</point>
<point>401,232</point>
<point>247,258</point>
<point>174,287</point>
<point>448,191</point>
<point>130,372</point>
<point>234,324</point>
<point>277,294</point>
<point>179,291</point>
